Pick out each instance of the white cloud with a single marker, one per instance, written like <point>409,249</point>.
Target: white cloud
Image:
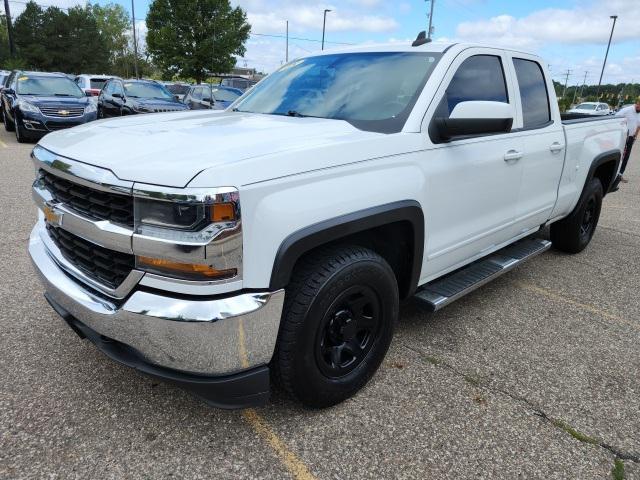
<point>586,23</point>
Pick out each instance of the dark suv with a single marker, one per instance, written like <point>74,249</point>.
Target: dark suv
<point>36,103</point>
<point>128,97</point>
<point>214,97</point>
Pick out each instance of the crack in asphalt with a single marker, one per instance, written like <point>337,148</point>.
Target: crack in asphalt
<point>535,409</point>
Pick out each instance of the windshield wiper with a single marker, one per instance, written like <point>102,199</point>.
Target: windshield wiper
<point>63,95</point>
<point>293,113</point>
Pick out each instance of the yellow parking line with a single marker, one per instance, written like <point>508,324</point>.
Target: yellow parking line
<point>291,461</point>
<point>296,466</point>
<point>584,306</point>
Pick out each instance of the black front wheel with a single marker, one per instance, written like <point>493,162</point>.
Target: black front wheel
<point>8,124</point>
<point>337,325</point>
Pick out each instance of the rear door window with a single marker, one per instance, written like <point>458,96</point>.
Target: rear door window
<point>533,93</point>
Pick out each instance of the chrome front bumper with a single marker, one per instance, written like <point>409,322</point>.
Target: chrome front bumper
<point>210,336</point>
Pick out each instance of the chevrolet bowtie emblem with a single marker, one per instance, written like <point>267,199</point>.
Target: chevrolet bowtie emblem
<point>52,216</point>
<point>63,112</point>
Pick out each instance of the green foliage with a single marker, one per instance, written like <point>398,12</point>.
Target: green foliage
<point>87,39</point>
<point>617,472</point>
<point>614,95</point>
<point>192,38</point>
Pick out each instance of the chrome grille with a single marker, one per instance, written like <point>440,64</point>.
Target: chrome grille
<point>62,112</point>
<point>88,201</point>
<point>106,266</point>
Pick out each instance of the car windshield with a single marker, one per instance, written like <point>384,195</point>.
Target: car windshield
<point>372,91</point>
<point>222,95</point>
<point>97,83</point>
<point>177,89</point>
<point>47,86</point>
<point>147,90</point>
<point>586,106</point>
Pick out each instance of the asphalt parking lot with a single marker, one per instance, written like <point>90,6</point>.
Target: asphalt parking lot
<point>533,376</point>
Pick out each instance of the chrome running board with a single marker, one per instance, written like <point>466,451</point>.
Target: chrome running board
<point>443,291</point>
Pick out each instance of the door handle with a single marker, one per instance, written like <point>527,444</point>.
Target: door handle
<point>555,147</point>
<point>512,155</point>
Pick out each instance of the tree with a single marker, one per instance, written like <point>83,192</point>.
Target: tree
<point>113,26</point>
<point>28,35</point>
<point>192,38</point>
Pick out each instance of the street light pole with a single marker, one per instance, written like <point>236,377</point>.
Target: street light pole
<point>324,24</point>
<point>615,17</point>
<point>135,40</point>
<point>286,58</point>
<point>430,21</point>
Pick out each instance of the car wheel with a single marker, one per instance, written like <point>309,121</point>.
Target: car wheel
<point>21,136</point>
<point>2,115</point>
<point>573,234</point>
<point>8,124</point>
<point>340,310</point>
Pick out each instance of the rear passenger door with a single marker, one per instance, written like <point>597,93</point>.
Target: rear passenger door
<point>543,143</point>
<point>471,183</point>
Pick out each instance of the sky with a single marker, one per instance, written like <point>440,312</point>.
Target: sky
<point>569,34</point>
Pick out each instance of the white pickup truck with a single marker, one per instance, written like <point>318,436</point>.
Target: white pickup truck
<point>216,250</point>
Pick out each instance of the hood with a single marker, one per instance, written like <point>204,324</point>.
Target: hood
<point>39,101</point>
<point>172,148</point>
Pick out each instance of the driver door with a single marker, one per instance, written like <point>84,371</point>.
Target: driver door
<point>471,184</point>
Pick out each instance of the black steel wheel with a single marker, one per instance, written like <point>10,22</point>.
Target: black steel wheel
<point>337,324</point>
<point>573,233</point>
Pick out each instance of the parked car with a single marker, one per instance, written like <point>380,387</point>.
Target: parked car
<point>36,103</point>
<point>214,97</point>
<point>178,89</point>
<point>377,174</point>
<point>240,83</point>
<point>128,97</point>
<point>591,108</point>
<point>91,84</point>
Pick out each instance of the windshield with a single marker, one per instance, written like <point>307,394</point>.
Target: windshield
<point>222,95</point>
<point>586,106</point>
<point>178,89</point>
<point>147,90</point>
<point>372,91</point>
<point>48,86</point>
<point>97,83</point>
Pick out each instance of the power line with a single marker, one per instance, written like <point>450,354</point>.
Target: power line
<point>298,38</point>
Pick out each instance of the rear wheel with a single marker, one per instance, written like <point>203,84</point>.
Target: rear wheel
<point>338,321</point>
<point>573,234</point>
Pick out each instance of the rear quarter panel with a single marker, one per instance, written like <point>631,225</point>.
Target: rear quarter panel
<point>584,142</point>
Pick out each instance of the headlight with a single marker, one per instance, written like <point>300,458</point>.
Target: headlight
<point>27,107</point>
<point>91,107</point>
<point>188,219</point>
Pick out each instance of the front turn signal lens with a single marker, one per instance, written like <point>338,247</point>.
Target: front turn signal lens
<point>223,212</point>
<point>190,271</point>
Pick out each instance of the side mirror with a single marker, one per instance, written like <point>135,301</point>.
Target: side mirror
<point>9,91</point>
<point>475,118</point>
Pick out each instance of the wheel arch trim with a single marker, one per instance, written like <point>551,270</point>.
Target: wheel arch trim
<point>603,158</point>
<point>306,239</point>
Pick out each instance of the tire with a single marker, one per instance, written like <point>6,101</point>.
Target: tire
<point>573,233</point>
<point>2,115</point>
<point>21,136</point>
<point>340,311</point>
<point>8,124</point>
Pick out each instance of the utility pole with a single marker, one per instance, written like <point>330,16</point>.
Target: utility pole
<point>286,58</point>
<point>430,30</point>
<point>574,93</point>
<point>7,12</point>
<point>324,24</point>
<point>135,40</point>
<point>566,80</point>
<point>615,17</point>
